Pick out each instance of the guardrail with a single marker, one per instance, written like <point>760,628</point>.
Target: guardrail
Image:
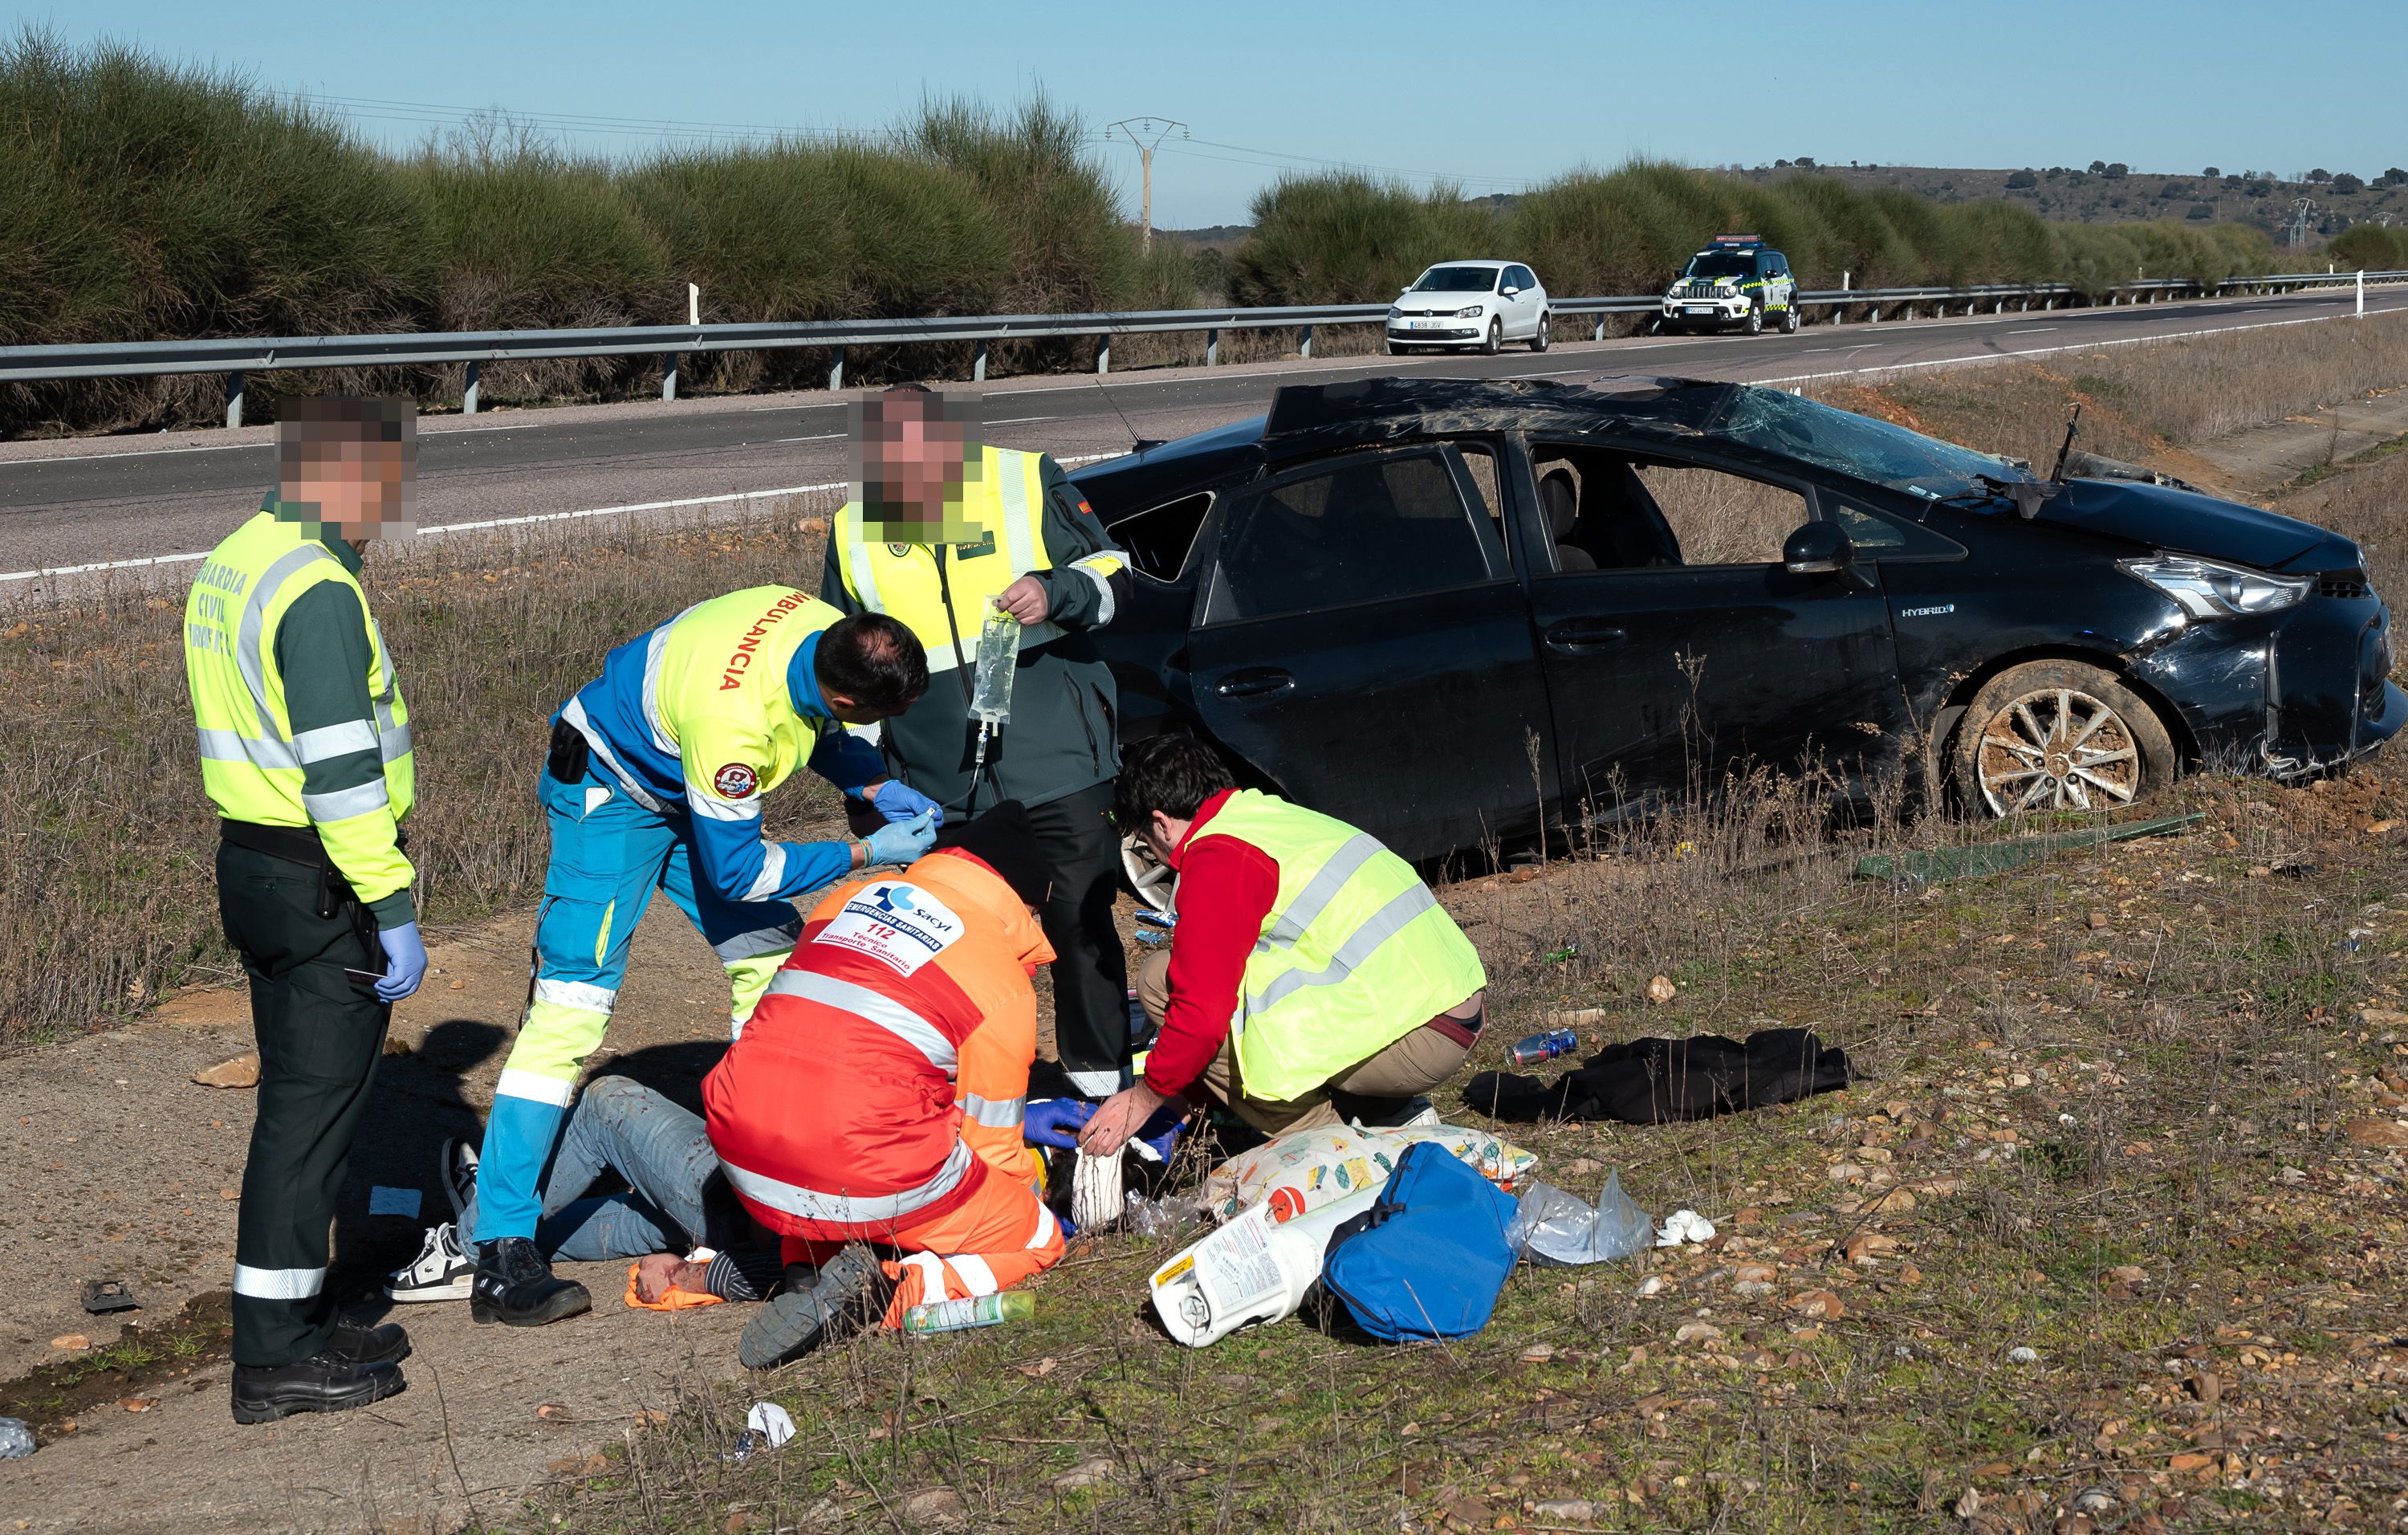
<point>236,357</point>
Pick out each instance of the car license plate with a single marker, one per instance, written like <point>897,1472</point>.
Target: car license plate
<point>1423,324</point>
<point>1699,308</point>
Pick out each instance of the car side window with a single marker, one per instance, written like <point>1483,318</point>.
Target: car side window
<point>1724,518</point>
<point>1369,528</point>
<point>1520,277</point>
<point>1159,539</point>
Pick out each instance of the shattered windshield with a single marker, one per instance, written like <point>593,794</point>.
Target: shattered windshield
<point>1857,446</point>
<point>1456,280</point>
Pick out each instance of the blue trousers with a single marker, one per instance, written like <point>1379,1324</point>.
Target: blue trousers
<point>676,1200</point>
<point>609,854</point>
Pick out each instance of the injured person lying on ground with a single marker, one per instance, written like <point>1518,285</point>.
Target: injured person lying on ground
<point>860,1152</point>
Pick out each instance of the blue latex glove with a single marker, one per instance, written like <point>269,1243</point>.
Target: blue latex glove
<point>1056,1122</point>
<point>898,801</point>
<point>1158,1137</point>
<point>404,962</point>
<point>903,841</point>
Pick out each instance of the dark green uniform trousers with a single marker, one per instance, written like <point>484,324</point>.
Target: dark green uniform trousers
<point>320,1035</point>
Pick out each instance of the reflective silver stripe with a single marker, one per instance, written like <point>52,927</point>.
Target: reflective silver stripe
<point>1104,602</point>
<point>887,1014</point>
<point>583,995</point>
<point>334,740</point>
<point>1377,929</point>
<point>1321,890</point>
<point>534,1087</point>
<point>1098,1084</point>
<point>382,703</point>
<point>710,807</point>
<point>277,1283</point>
<point>997,1113</point>
<point>760,940</point>
<point>1019,539</point>
<point>932,1276</point>
<point>773,872</point>
<point>651,693</point>
<point>343,804</point>
<point>574,715</point>
<point>247,657</point>
<point>392,742</point>
<point>972,1271</point>
<point>859,565</point>
<point>233,746</point>
<point>812,1204</point>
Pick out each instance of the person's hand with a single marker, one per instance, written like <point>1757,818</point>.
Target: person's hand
<point>898,801</point>
<point>658,1273</point>
<point>1159,1135</point>
<point>1120,1117</point>
<point>903,841</point>
<point>1025,600</point>
<point>1052,1120</point>
<point>404,962</point>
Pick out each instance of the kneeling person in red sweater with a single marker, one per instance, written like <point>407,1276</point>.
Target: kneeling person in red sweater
<point>1313,977</point>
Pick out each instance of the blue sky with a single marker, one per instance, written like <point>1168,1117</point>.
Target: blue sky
<point>1494,93</point>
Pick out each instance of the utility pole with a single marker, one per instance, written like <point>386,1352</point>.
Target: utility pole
<point>1146,133</point>
<point>2299,221</point>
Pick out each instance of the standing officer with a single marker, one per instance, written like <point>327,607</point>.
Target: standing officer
<point>305,751</point>
<point>940,532</point>
<point>655,779</point>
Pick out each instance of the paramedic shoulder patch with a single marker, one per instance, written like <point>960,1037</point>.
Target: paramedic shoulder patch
<point>737,781</point>
<point>900,926</point>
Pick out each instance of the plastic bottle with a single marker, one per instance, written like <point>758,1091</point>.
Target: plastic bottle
<point>1544,1047</point>
<point>1251,1271</point>
<point>980,1311</point>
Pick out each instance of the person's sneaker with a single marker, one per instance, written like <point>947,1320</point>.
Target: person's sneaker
<point>459,1169</point>
<point>849,1289</point>
<point>516,1287</point>
<point>369,1346</point>
<point>326,1381</point>
<point>439,1273</point>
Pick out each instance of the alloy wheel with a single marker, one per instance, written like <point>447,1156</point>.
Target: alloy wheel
<point>2058,749</point>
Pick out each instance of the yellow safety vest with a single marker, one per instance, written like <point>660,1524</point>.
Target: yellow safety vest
<point>250,765</point>
<point>901,581</point>
<point>1354,953</point>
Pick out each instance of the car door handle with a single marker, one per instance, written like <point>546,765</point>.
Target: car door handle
<point>1253,681</point>
<point>1583,636</point>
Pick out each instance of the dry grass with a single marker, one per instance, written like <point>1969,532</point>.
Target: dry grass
<point>1722,519</point>
<point>109,899</point>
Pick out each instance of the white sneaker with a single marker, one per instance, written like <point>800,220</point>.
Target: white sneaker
<point>440,1272</point>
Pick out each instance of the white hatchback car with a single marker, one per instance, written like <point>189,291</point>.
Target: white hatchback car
<point>1482,304</point>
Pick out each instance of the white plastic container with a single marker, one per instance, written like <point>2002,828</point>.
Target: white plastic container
<point>1252,1271</point>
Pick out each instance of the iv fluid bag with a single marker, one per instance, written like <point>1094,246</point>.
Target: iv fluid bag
<point>998,657</point>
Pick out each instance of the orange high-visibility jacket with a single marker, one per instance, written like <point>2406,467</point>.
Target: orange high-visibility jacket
<point>883,1076</point>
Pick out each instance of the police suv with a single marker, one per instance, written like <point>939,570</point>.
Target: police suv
<point>1734,283</point>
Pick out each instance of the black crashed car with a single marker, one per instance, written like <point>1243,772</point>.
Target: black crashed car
<point>1443,608</point>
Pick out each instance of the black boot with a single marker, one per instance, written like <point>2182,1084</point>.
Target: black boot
<point>326,1381</point>
<point>363,1344</point>
<point>515,1286</point>
<point>847,1290</point>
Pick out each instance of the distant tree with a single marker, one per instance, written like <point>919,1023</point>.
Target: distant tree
<point>2172,189</point>
<point>2202,211</point>
<point>2259,189</point>
<point>2395,177</point>
<point>2054,172</point>
<point>2346,185</point>
<point>2076,178</point>
<point>2021,179</point>
<point>2098,167</point>
<point>1805,162</point>
<point>2116,170</point>
<point>2319,176</point>
<point>2211,171</point>
<point>1780,164</point>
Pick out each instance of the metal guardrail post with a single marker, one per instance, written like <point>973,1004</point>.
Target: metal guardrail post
<point>1212,346</point>
<point>978,364</point>
<point>234,400</point>
<point>1104,354</point>
<point>1601,326</point>
<point>468,389</point>
<point>836,370</point>
<point>669,377</point>
<point>1304,341</point>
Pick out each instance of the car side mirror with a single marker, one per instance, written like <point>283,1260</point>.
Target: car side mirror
<point>1818,548</point>
<point>1509,290</point>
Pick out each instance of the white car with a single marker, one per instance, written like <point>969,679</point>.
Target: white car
<point>1482,304</point>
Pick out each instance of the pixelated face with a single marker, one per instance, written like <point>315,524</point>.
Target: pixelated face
<point>349,467</point>
<point>914,454</point>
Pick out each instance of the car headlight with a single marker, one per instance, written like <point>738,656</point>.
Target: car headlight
<point>1472,312</point>
<point>1394,313</point>
<point>2209,589</point>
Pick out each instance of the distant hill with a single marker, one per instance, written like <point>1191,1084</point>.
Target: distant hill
<point>2076,194</point>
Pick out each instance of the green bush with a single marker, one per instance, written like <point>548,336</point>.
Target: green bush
<point>2368,247</point>
<point>1348,238</point>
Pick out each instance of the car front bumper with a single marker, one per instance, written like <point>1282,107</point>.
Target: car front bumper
<point>2289,697</point>
<point>1706,311</point>
<point>1439,333</point>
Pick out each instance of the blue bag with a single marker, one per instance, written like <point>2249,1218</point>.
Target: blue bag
<point>1429,1257</point>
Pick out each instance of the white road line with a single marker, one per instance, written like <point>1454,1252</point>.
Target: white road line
<point>1021,421</point>
<point>504,521</point>
<point>2034,331</point>
<point>824,437</point>
<point>262,445</point>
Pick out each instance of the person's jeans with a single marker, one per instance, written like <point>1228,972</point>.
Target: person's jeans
<point>676,1198</point>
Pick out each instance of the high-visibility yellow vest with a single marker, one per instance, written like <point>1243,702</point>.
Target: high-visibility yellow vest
<point>902,580</point>
<point>1355,955</point>
<point>250,764</point>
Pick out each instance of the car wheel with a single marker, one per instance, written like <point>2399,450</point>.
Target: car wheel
<point>1538,337</point>
<point>1496,342</point>
<point>1789,319</point>
<point>1756,319</point>
<point>2059,736</point>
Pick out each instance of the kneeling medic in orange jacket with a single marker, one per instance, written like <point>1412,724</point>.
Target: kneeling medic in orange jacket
<point>876,1094</point>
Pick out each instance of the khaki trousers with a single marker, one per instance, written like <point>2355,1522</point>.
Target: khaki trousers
<point>1419,1062</point>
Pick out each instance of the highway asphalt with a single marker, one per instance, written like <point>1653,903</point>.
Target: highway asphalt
<point>68,506</point>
